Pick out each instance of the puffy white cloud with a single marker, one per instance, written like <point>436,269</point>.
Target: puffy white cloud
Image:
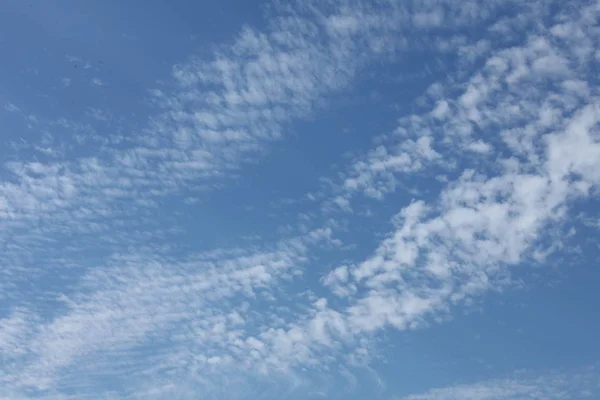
<point>492,216</point>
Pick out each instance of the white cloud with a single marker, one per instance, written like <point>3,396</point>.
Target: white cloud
<point>479,146</point>
<point>11,108</point>
<point>452,250</point>
<point>575,385</point>
<point>77,61</point>
<point>515,132</point>
<point>376,174</point>
<point>443,253</point>
<point>135,299</point>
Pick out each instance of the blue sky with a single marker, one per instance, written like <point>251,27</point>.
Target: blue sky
<point>299,199</point>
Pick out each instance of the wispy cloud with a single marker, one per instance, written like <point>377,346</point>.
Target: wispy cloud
<point>134,299</point>
<point>98,295</point>
<point>576,385</point>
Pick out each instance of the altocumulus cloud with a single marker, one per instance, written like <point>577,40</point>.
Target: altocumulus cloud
<point>98,300</point>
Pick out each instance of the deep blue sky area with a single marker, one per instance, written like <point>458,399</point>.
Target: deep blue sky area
<point>391,199</point>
